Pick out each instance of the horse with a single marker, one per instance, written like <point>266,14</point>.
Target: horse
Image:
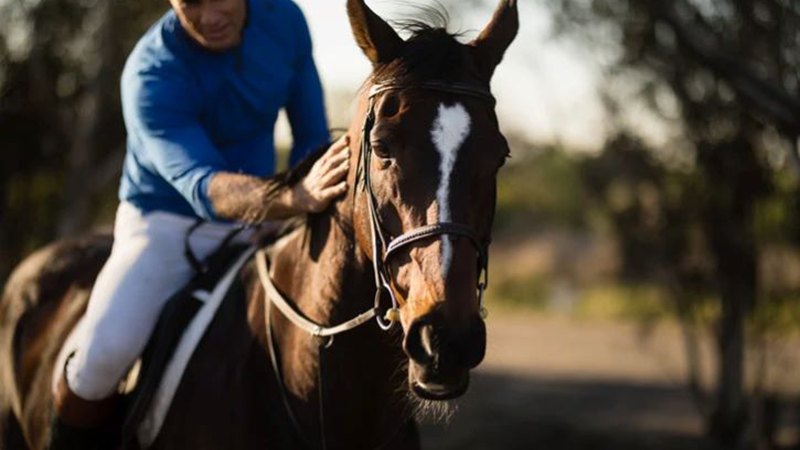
<point>298,361</point>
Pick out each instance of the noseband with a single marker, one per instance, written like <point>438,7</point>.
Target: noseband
<point>383,245</point>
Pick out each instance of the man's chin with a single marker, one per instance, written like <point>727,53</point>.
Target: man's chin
<point>213,43</point>
<point>221,46</point>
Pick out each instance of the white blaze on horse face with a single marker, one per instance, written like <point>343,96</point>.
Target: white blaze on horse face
<point>450,130</point>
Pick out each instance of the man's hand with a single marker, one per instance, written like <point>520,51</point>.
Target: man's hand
<point>250,199</point>
<point>325,181</point>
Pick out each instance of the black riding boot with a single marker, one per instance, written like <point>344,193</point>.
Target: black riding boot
<point>78,423</point>
<point>64,436</point>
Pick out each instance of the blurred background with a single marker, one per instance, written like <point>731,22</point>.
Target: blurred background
<point>645,271</point>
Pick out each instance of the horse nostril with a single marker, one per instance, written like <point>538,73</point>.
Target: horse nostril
<point>472,346</point>
<point>419,343</point>
<point>427,339</point>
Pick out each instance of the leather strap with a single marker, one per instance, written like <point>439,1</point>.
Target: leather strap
<point>296,317</point>
<point>479,92</point>
<point>435,229</point>
<point>381,249</point>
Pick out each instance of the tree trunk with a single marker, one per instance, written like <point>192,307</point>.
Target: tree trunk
<point>729,420</point>
<point>735,184</point>
<point>92,107</point>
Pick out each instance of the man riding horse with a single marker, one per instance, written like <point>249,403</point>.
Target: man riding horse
<point>201,93</point>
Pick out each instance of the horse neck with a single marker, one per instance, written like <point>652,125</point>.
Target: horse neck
<point>330,251</point>
<point>325,272</point>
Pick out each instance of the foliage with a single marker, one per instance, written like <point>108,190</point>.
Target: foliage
<point>543,188</point>
<point>724,73</point>
<point>61,132</point>
<point>526,291</point>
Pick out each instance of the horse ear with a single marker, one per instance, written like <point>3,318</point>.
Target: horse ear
<point>376,38</point>
<point>489,46</point>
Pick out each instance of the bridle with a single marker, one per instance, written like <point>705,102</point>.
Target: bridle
<point>383,245</point>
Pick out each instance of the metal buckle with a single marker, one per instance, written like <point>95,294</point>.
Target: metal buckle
<point>392,315</point>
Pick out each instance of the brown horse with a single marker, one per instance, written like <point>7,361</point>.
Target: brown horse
<point>426,151</point>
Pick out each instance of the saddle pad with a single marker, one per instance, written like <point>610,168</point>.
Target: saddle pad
<point>157,411</point>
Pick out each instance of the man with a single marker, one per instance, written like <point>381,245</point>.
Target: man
<point>201,92</point>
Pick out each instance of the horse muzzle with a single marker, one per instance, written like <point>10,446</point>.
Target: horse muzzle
<point>441,355</point>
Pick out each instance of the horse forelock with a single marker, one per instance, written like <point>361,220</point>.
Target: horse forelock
<point>430,53</point>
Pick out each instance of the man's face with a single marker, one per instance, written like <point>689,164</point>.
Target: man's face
<point>215,24</point>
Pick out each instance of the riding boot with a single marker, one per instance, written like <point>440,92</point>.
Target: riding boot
<point>78,423</point>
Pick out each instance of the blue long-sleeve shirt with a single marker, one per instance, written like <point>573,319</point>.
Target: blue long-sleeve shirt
<point>190,113</point>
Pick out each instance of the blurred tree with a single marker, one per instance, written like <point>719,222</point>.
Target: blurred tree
<point>724,73</point>
<point>656,213</point>
<point>539,187</point>
<point>61,132</point>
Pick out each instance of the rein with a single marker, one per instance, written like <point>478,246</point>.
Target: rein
<point>383,247</point>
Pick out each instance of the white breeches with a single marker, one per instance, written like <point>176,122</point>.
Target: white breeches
<point>146,266</point>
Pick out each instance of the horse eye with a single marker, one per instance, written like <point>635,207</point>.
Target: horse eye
<point>390,106</point>
<point>380,149</point>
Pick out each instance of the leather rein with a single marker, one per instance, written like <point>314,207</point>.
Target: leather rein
<point>384,245</point>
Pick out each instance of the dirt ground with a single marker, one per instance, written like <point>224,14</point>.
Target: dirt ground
<point>554,383</point>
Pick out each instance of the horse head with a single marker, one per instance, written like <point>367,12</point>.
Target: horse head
<point>430,149</point>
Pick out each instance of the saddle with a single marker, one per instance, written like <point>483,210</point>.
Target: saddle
<point>159,373</point>
<point>177,315</point>
<point>179,329</point>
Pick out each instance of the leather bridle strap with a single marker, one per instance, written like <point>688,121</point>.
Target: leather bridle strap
<point>380,254</point>
<point>383,248</point>
<point>435,229</point>
<point>452,88</point>
<point>296,317</point>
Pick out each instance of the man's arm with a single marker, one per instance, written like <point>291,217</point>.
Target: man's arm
<point>251,199</point>
<point>160,115</point>
<point>162,112</point>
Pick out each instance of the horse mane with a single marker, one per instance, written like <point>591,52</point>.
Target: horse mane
<point>430,53</point>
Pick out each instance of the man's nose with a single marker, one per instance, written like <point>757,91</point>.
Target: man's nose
<point>210,17</point>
